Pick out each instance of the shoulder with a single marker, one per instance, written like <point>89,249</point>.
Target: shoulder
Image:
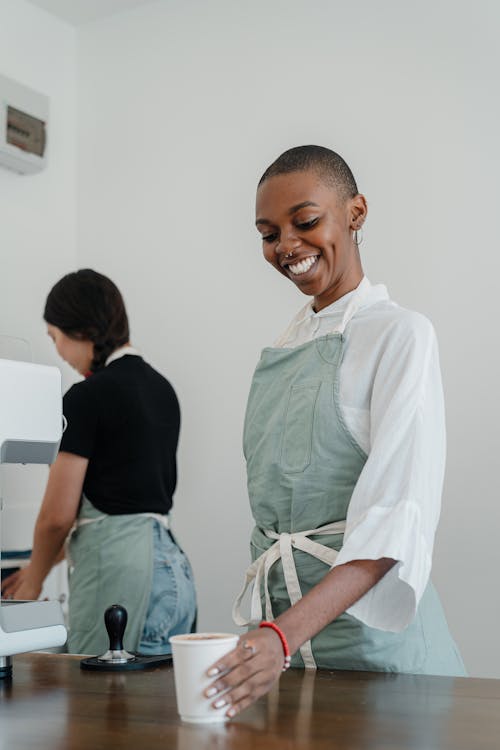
<point>80,391</point>
<point>138,367</point>
<point>133,374</point>
<point>390,323</point>
<point>386,338</point>
<point>86,392</point>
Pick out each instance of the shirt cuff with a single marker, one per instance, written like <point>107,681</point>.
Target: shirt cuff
<point>397,533</point>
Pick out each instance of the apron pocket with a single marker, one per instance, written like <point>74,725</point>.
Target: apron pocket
<point>299,419</point>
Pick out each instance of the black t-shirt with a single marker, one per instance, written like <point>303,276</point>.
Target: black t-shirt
<point>125,419</point>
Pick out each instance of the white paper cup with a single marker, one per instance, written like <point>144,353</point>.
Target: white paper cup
<point>194,654</point>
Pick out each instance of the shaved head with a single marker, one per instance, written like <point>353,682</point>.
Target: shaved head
<point>328,165</point>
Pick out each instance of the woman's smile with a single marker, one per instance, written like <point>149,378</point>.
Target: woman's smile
<point>304,267</point>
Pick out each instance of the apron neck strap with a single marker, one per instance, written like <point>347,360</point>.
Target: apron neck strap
<point>358,297</point>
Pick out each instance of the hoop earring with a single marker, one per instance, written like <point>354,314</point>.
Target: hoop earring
<point>358,239</point>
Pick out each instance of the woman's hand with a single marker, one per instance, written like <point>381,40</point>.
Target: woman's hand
<point>21,586</point>
<point>256,663</point>
<point>249,671</point>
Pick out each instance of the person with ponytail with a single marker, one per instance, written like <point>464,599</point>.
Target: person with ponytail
<point>109,493</point>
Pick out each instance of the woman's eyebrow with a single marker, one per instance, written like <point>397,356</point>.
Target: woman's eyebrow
<point>291,211</point>
<point>298,206</point>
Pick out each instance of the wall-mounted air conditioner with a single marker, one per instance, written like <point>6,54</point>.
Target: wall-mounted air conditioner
<point>24,116</point>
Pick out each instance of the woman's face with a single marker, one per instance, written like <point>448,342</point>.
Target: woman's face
<point>76,352</point>
<point>308,234</point>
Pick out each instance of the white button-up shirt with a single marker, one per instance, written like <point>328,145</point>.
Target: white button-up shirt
<point>392,402</point>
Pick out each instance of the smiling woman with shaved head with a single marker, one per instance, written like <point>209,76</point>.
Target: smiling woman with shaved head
<point>344,441</point>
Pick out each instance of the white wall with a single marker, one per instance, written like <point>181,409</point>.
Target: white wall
<point>38,222</point>
<point>181,107</point>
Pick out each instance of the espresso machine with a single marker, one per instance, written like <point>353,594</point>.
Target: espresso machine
<point>30,431</point>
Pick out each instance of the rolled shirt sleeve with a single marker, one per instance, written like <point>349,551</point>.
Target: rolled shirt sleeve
<point>395,506</point>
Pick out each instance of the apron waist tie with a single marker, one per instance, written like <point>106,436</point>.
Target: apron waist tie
<point>258,572</point>
<point>164,520</point>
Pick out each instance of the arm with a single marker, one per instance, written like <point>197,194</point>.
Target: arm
<point>253,671</point>
<point>335,593</point>
<point>59,557</point>
<point>57,514</point>
<point>396,502</point>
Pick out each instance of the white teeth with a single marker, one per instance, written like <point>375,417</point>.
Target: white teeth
<point>303,266</point>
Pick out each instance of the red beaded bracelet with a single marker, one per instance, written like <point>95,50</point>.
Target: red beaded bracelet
<point>282,637</point>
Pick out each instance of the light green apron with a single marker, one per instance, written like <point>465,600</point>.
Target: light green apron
<point>303,465</point>
<point>111,562</point>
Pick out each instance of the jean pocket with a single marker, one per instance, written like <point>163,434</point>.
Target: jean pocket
<point>172,603</point>
<point>162,607</point>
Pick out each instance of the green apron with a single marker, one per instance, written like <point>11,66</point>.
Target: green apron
<point>111,562</point>
<point>303,465</point>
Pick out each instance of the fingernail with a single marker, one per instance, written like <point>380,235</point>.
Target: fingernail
<point>212,672</point>
<point>232,712</point>
<point>210,691</point>
<point>221,702</point>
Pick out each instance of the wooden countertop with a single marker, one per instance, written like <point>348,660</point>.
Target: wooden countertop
<point>51,703</point>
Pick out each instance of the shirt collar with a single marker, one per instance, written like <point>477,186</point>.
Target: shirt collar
<point>121,352</point>
<point>374,293</point>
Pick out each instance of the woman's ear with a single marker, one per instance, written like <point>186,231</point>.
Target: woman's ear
<point>358,209</point>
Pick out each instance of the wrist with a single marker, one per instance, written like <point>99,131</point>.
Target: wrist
<point>284,643</point>
<point>31,578</point>
<point>290,630</point>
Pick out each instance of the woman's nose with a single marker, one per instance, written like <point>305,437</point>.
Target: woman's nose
<point>288,243</point>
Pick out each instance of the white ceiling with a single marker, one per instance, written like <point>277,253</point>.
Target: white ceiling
<point>78,12</point>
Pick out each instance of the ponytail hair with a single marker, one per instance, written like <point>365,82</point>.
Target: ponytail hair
<point>85,305</point>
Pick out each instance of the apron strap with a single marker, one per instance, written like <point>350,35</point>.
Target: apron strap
<point>354,304</point>
<point>358,297</point>
<point>258,573</point>
<point>162,520</point>
<point>79,522</point>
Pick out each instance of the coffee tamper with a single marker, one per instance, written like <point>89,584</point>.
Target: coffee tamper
<point>115,619</point>
<point>116,659</point>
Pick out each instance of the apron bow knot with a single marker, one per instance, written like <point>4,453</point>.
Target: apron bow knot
<point>283,547</point>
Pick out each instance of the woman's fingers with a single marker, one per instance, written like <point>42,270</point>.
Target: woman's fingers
<point>231,660</point>
<point>231,676</point>
<point>10,584</point>
<point>247,672</point>
<point>249,649</point>
<point>240,703</point>
<point>19,586</point>
<point>12,577</point>
<point>256,643</point>
<point>246,692</point>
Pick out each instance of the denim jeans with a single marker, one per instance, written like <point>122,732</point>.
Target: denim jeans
<point>172,603</point>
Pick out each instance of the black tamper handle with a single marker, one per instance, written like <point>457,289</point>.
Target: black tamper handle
<point>116,658</point>
<point>115,619</point>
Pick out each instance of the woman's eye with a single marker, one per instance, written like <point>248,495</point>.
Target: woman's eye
<point>309,224</point>
<point>269,237</point>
